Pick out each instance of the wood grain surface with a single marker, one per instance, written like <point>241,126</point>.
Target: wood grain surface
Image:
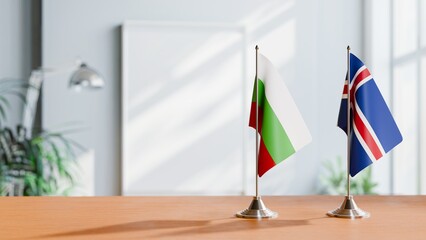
<point>300,217</point>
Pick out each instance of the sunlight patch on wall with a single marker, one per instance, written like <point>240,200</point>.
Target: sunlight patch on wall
<point>406,115</point>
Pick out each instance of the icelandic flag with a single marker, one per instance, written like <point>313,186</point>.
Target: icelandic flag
<point>373,131</point>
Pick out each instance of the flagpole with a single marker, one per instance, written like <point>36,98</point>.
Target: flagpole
<point>348,209</point>
<point>257,208</point>
<point>257,125</point>
<point>348,128</point>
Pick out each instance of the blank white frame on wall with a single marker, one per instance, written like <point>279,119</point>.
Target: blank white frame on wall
<point>184,108</point>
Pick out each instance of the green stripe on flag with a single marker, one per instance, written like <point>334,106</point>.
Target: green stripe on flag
<point>273,134</point>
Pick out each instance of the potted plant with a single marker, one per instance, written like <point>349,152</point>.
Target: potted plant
<point>32,166</point>
<point>334,180</point>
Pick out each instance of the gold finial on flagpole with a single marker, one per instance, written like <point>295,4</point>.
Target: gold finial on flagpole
<point>348,209</point>
<point>257,208</point>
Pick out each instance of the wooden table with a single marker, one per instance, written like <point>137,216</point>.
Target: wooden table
<point>392,217</point>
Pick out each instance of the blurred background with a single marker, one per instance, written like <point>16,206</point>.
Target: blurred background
<point>172,116</point>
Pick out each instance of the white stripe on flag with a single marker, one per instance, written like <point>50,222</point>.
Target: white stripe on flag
<point>363,81</point>
<point>363,143</point>
<point>356,74</point>
<point>283,104</point>
<point>370,129</point>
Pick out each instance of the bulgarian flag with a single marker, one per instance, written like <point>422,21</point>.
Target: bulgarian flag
<point>281,127</point>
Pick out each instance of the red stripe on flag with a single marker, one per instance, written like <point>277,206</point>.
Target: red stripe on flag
<point>345,89</point>
<point>265,160</point>
<point>363,74</point>
<point>366,136</point>
<point>252,121</point>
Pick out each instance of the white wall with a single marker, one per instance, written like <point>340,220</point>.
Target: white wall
<point>306,40</point>
<point>15,47</point>
<point>395,47</point>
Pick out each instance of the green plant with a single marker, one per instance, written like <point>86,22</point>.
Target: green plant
<point>38,165</point>
<point>334,180</point>
<point>41,165</point>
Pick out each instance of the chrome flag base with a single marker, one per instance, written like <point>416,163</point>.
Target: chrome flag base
<point>257,209</point>
<point>348,209</point>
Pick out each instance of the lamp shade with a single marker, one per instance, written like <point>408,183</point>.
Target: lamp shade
<point>86,77</point>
